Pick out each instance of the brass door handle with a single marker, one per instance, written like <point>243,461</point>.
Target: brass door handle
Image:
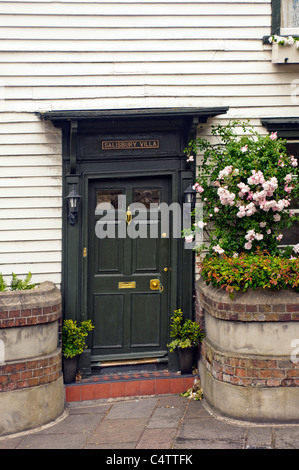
<point>129,216</point>
<point>155,284</point>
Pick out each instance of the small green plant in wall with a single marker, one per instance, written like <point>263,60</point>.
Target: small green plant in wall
<point>16,283</point>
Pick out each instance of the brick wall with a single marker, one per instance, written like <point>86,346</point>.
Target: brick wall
<point>234,311</point>
<point>250,371</point>
<point>27,309</point>
<point>29,316</point>
<point>247,367</point>
<point>15,375</point>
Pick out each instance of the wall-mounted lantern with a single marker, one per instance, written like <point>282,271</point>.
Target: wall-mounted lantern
<point>190,195</point>
<point>73,202</point>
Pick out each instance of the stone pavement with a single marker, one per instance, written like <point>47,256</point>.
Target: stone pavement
<point>152,422</point>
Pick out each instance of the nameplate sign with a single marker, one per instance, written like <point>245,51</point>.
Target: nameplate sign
<point>130,144</point>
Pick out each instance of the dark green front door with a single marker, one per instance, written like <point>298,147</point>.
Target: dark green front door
<point>128,273</point>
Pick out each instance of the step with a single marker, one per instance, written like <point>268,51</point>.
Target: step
<point>128,384</point>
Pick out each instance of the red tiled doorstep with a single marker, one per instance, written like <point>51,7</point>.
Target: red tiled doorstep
<point>127,385</point>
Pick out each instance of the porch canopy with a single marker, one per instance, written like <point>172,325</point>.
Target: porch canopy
<point>199,114</point>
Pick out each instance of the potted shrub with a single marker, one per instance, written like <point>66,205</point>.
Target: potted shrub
<point>73,344</point>
<point>186,336</point>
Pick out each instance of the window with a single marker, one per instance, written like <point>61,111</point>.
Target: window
<point>287,128</point>
<point>285,17</point>
<point>289,17</point>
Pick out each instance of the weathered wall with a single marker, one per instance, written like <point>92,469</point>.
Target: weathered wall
<point>247,366</point>
<point>31,383</point>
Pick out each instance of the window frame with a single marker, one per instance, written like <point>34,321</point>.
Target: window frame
<point>286,128</point>
<point>276,21</point>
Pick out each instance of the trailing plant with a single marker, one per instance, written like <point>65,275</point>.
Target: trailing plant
<point>74,337</point>
<point>186,333</point>
<point>284,41</point>
<point>16,283</point>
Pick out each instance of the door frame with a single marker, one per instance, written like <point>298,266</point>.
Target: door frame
<point>109,176</point>
<point>181,282</point>
<point>174,244</point>
<point>183,123</point>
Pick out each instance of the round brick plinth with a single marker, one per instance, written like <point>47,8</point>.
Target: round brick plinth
<point>31,384</point>
<point>248,366</point>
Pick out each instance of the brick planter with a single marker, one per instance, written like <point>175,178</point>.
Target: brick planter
<point>247,368</point>
<point>31,384</point>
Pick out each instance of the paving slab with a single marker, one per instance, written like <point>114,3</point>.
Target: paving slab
<point>210,432</point>
<point>110,445</point>
<point>286,438</point>
<point>90,409</point>
<point>82,423</point>
<point>10,442</point>
<point>173,401</point>
<point>157,438</point>
<point>117,431</point>
<point>166,417</point>
<point>156,422</point>
<point>53,441</point>
<point>208,444</point>
<point>139,408</point>
<point>259,438</point>
<point>196,409</point>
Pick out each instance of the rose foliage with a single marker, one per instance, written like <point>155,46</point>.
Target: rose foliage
<point>247,182</point>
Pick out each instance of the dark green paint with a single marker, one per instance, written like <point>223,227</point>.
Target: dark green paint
<point>128,324</point>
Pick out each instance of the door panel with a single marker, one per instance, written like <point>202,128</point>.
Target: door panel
<point>145,327</point>
<point>145,255</point>
<point>108,327</point>
<point>108,256</point>
<point>130,316</point>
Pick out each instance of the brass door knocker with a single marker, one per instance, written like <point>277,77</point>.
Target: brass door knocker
<point>129,216</point>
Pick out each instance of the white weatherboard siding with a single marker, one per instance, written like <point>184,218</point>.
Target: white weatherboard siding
<point>73,54</point>
<point>30,197</point>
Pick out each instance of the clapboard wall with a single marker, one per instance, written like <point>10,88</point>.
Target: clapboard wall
<point>108,55</point>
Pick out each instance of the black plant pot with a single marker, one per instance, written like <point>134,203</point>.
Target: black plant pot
<point>69,369</point>
<point>174,360</point>
<point>187,356</point>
